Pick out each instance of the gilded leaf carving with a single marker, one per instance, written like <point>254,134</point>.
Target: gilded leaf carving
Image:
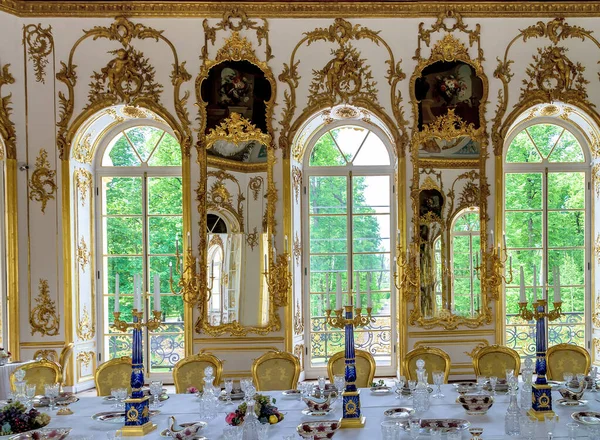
<point>41,185</point>
<point>83,182</point>
<point>44,318</point>
<point>7,126</point>
<point>83,254</point>
<point>40,44</point>
<point>296,182</point>
<point>85,328</point>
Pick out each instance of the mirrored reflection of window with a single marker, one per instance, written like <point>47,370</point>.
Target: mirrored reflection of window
<point>141,213</point>
<point>465,252</point>
<point>545,216</point>
<point>349,218</point>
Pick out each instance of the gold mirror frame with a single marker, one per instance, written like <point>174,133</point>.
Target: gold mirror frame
<point>236,128</point>
<point>447,128</point>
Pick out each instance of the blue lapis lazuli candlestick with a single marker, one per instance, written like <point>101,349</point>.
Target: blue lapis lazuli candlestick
<point>352,417</point>
<point>541,401</point>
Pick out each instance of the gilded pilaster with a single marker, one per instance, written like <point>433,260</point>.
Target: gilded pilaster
<point>12,257</point>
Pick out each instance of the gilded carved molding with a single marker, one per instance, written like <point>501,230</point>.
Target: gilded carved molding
<point>344,79</point>
<point>478,347</point>
<point>83,254</point>
<point>255,184</point>
<point>85,327</point>
<point>7,126</point>
<point>49,354</point>
<point>40,44</point>
<point>83,182</point>
<point>298,320</point>
<point>297,251</point>
<point>596,248</point>
<point>299,353</point>
<point>252,238</point>
<point>44,317</point>
<point>596,312</point>
<point>552,76</point>
<point>219,198</point>
<point>298,9</point>
<point>296,182</point>
<point>128,78</point>
<point>42,186</point>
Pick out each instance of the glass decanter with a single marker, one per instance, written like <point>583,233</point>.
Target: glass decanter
<point>512,422</point>
<point>209,401</point>
<point>421,393</point>
<point>250,426</point>
<point>527,375</point>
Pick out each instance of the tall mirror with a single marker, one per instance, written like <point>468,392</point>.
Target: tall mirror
<point>446,266</point>
<point>236,194</point>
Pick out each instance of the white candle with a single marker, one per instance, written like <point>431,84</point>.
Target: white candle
<point>212,269</point>
<point>189,240</point>
<point>265,262</point>
<point>476,259</point>
<point>170,270</point>
<point>176,244</point>
<point>369,300</point>
<point>135,291</point>
<point>285,248</point>
<point>556,284</point>
<point>139,298</point>
<point>197,264</point>
<point>522,297</point>
<point>358,290</point>
<point>117,306</point>
<point>504,240</point>
<point>338,292</point>
<point>156,292</point>
<point>327,291</point>
<point>534,284</point>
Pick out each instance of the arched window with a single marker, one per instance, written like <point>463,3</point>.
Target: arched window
<point>546,216</point>
<point>466,286</point>
<point>140,216</point>
<point>348,213</point>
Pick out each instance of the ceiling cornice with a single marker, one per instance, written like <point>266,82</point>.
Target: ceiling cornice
<point>299,9</point>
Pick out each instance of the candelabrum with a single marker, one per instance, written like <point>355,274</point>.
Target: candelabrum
<point>279,279</point>
<point>541,400</point>
<point>137,412</point>
<point>347,320</point>
<point>407,273</point>
<point>188,285</point>
<point>497,258</point>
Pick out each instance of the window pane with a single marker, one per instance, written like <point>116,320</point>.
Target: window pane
<point>527,259</point>
<point>124,235</point>
<point>328,263</point>
<point>469,221</point>
<point>379,267</point>
<point>566,229</point>
<point>566,190</point>
<point>521,150</point>
<point>523,191</point>
<point>371,194</point>
<point>162,231</point>
<point>144,139</point>
<point>523,229</point>
<point>119,153</point>
<point>125,267</point>
<point>545,137</point>
<point>325,153</point>
<point>371,233</point>
<point>327,195</point>
<point>349,139</point>
<point>373,152</point>
<point>571,263</point>
<point>123,195</point>
<point>165,195</point>
<point>167,154</point>
<point>328,234</point>
<point>567,150</point>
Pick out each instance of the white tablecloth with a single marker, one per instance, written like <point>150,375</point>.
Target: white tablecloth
<point>185,408</point>
<point>5,371</point>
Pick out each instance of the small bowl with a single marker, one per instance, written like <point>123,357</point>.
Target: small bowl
<point>570,394</point>
<point>476,404</point>
<point>318,405</point>
<point>318,430</point>
<point>44,434</point>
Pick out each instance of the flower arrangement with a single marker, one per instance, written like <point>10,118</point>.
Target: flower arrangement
<point>192,390</point>
<point>4,353</point>
<point>450,86</point>
<point>15,419</point>
<point>263,408</point>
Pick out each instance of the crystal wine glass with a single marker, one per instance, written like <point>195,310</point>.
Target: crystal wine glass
<point>399,386</point>
<point>493,382</point>
<point>156,390</point>
<point>51,392</point>
<point>412,385</point>
<point>510,372</point>
<point>581,378</point>
<point>339,382</point>
<point>228,390</point>
<point>550,423</point>
<point>415,427</point>
<point>321,381</point>
<point>481,381</point>
<point>121,396</point>
<point>528,426</point>
<point>438,380</point>
<point>30,391</point>
<point>568,377</point>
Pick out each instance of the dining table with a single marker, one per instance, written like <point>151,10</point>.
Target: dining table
<point>186,408</point>
<point>5,372</point>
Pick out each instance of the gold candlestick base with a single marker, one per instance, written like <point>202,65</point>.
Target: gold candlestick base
<point>353,423</point>
<point>137,431</point>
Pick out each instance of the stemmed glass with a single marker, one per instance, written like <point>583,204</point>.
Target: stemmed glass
<point>30,392</point>
<point>528,426</point>
<point>228,390</point>
<point>339,382</point>
<point>438,380</point>
<point>509,373</point>
<point>593,374</point>
<point>321,382</point>
<point>412,386</point>
<point>121,396</point>
<point>493,382</point>
<point>156,390</point>
<point>581,378</point>
<point>51,392</point>
<point>481,380</point>
<point>415,427</point>
<point>244,384</point>
<point>399,386</point>
<point>550,423</point>
<point>568,377</point>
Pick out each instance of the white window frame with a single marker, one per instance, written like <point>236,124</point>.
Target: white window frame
<point>348,171</point>
<point>540,167</point>
<point>142,171</point>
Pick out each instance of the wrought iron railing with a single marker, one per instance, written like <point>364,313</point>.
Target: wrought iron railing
<point>520,334</point>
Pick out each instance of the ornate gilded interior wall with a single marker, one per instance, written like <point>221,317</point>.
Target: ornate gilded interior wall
<point>59,82</point>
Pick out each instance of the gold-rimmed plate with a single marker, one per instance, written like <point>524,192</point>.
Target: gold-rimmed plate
<point>116,416</point>
<point>308,412</point>
<point>586,417</point>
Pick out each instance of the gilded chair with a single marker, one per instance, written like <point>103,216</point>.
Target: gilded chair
<point>189,372</point>
<point>63,360</point>
<point>494,360</point>
<point>276,370</point>
<point>40,373</point>
<point>364,362</point>
<point>435,360</point>
<point>566,357</point>
<point>115,373</point>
